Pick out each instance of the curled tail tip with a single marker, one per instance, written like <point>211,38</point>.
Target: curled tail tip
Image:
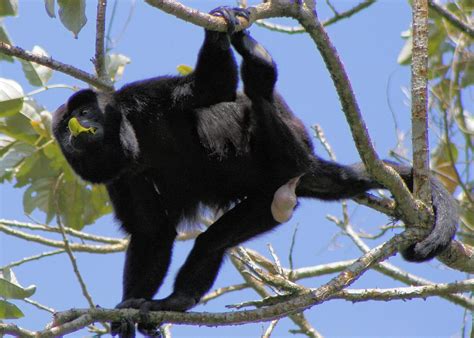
<point>437,241</point>
<point>444,229</point>
<point>419,252</point>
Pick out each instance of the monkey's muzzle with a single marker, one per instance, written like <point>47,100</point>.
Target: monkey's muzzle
<point>76,128</point>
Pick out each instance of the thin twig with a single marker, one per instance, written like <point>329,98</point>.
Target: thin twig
<point>69,231</point>
<point>453,19</point>
<point>56,65</point>
<point>454,84</point>
<point>350,12</point>
<point>39,306</point>
<point>32,258</point>
<point>54,86</point>
<point>14,330</point>
<point>395,272</point>
<point>71,256</point>
<point>406,293</point>
<point>99,60</point>
<point>259,287</point>
<point>298,29</point>
<point>221,291</point>
<point>292,248</point>
<point>270,328</point>
<point>100,249</point>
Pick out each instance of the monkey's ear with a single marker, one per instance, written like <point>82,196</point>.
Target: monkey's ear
<point>128,139</point>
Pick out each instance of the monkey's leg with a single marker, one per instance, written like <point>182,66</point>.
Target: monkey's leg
<point>139,207</point>
<point>258,71</point>
<point>215,76</point>
<point>146,263</point>
<point>246,220</point>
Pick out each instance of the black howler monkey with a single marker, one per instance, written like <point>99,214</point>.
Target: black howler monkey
<point>168,145</point>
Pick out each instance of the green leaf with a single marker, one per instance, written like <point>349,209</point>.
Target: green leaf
<point>18,127</point>
<point>4,38</point>
<point>31,109</point>
<point>9,311</point>
<point>11,97</point>
<point>77,202</point>
<point>13,156</point>
<point>11,289</point>
<point>73,15</point>
<point>441,163</point>
<point>5,143</point>
<point>468,75</point>
<point>115,65</point>
<point>37,75</point>
<point>467,219</point>
<point>184,69</point>
<point>34,167</point>
<point>404,58</point>
<point>38,195</point>
<point>49,6</point>
<point>8,7</point>
<point>437,40</point>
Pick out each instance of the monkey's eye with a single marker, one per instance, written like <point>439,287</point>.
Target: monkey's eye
<point>83,112</point>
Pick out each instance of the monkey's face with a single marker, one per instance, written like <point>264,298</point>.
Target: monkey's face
<point>85,127</point>
<point>90,138</point>
<point>79,124</point>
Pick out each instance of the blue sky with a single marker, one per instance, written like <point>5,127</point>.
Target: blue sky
<point>368,44</point>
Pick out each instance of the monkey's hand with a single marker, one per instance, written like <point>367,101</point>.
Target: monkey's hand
<point>230,15</point>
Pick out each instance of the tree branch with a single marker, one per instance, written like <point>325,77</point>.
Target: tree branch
<point>56,65</point>
<point>294,304</point>
<point>99,60</point>
<point>298,29</point>
<point>385,175</point>
<point>419,103</point>
<point>100,249</point>
<point>73,320</point>
<point>259,287</point>
<point>395,272</point>
<point>453,19</point>
<point>406,293</point>
<point>69,231</point>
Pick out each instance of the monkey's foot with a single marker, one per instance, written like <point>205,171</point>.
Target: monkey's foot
<point>230,15</point>
<point>178,302</point>
<point>126,328</point>
<point>175,302</point>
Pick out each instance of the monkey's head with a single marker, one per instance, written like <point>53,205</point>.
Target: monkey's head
<point>97,140</point>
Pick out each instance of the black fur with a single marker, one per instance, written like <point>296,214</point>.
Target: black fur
<point>166,146</point>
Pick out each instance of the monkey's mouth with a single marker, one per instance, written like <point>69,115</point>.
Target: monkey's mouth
<point>76,128</point>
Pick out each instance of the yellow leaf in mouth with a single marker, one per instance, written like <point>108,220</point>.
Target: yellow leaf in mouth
<point>76,128</point>
<point>184,69</point>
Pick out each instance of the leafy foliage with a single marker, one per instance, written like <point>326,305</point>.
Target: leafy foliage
<point>37,75</point>
<point>72,14</point>
<point>11,289</point>
<point>31,158</point>
<point>8,7</point>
